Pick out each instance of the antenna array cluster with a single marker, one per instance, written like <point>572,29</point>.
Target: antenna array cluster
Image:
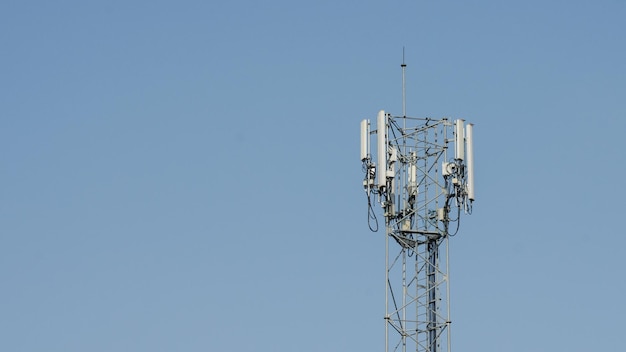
<point>422,186</point>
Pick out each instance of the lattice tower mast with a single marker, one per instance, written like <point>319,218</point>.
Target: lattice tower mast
<point>422,177</point>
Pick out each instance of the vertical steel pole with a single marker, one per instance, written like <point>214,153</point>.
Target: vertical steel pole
<point>387,286</point>
<point>433,251</point>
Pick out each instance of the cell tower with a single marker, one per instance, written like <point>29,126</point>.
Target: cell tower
<point>422,187</point>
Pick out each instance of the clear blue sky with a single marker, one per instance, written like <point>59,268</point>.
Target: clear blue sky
<point>185,176</point>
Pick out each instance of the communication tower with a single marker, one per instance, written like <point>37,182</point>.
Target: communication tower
<point>422,176</point>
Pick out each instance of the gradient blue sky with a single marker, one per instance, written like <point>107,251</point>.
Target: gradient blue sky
<point>184,176</point>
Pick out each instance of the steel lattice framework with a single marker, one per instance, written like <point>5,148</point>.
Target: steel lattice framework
<point>422,192</point>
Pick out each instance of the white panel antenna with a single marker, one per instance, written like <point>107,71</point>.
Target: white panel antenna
<point>381,134</point>
<point>470,161</point>
<point>412,180</point>
<point>365,139</point>
<point>459,140</point>
<point>393,157</point>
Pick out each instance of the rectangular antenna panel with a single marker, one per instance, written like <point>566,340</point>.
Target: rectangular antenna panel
<point>393,155</point>
<point>459,141</point>
<point>381,134</point>
<point>469,139</point>
<point>412,174</point>
<point>365,139</point>
<point>412,178</point>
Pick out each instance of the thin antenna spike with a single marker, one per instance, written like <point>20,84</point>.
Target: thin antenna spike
<point>403,65</point>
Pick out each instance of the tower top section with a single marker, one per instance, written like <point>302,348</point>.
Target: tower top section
<point>432,158</point>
